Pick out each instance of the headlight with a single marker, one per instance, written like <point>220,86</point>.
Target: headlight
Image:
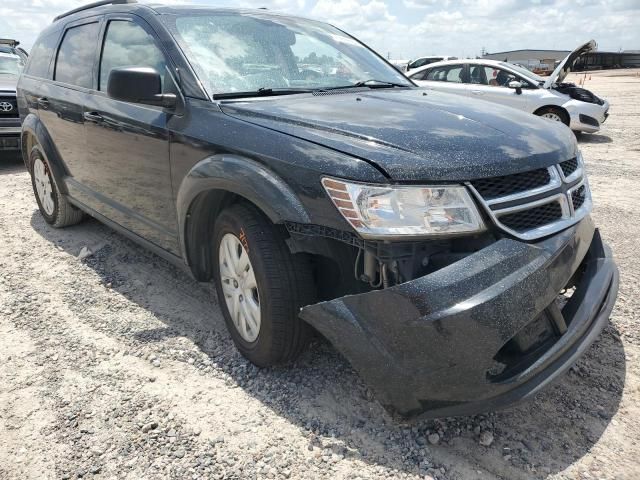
<point>381,211</point>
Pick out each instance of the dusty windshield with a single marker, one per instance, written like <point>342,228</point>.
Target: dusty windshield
<point>240,53</point>
<point>10,64</point>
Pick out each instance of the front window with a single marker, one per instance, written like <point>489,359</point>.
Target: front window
<point>127,44</point>
<point>244,53</point>
<point>11,64</point>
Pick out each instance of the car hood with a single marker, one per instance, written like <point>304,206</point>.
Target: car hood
<point>415,134</point>
<point>564,68</point>
<point>8,82</point>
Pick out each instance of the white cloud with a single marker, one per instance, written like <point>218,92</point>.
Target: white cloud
<point>408,28</point>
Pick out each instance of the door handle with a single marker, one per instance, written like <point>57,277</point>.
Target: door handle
<point>43,102</point>
<point>93,117</point>
<point>477,92</point>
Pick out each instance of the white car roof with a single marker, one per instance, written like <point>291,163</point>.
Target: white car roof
<point>470,61</point>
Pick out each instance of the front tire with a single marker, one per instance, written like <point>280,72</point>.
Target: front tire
<point>261,286</point>
<point>54,206</point>
<point>555,114</point>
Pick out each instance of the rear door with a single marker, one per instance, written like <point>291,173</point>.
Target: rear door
<point>127,143</point>
<point>60,102</point>
<point>488,82</point>
<point>444,78</point>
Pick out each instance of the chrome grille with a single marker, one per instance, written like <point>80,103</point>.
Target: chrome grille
<point>533,217</point>
<point>8,107</point>
<point>578,196</point>
<point>569,166</point>
<point>531,204</point>
<point>495,187</point>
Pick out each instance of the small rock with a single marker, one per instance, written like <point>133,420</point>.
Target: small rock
<point>421,441</point>
<point>179,453</point>
<point>486,438</point>
<point>84,253</point>
<point>149,426</point>
<point>434,438</point>
<point>155,363</point>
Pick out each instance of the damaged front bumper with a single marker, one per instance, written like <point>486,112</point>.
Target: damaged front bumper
<point>482,333</point>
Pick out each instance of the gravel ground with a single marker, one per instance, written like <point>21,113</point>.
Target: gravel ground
<point>119,366</point>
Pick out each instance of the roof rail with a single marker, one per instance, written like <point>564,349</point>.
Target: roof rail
<point>93,5</point>
<point>9,41</point>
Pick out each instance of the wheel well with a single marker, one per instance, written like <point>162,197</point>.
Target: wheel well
<point>561,110</point>
<point>201,217</point>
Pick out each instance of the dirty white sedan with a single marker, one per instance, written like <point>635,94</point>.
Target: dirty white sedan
<point>515,86</point>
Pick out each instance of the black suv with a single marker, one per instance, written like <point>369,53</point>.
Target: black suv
<point>12,61</point>
<point>427,236</point>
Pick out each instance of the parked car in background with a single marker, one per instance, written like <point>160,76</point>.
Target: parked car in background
<point>400,65</point>
<point>12,61</point>
<point>426,236</point>
<point>517,87</point>
<point>423,61</point>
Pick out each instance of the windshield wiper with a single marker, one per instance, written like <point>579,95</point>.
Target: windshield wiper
<point>373,83</point>
<point>262,92</point>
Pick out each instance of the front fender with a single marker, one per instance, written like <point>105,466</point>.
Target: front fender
<point>244,177</point>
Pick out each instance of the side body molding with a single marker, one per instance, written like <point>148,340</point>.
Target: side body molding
<point>241,176</point>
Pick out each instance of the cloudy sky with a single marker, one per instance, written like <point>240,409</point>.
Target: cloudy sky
<point>410,28</point>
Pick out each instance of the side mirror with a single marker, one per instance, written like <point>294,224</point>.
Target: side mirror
<point>517,86</point>
<point>139,85</point>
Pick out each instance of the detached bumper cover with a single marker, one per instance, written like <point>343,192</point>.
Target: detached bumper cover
<point>429,346</point>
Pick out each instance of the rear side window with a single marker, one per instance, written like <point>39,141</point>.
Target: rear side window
<point>453,74</point>
<point>74,64</point>
<point>128,45</point>
<point>41,54</point>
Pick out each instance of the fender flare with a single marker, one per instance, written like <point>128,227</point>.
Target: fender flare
<point>32,126</point>
<point>241,176</point>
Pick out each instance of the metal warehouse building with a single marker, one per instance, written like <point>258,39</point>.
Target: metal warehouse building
<point>591,61</point>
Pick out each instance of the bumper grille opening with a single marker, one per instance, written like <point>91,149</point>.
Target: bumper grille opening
<point>532,218</point>
<point>496,187</point>
<point>524,348</point>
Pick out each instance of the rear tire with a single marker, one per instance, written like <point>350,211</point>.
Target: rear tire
<point>283,284</point>
<point>54,206</point>
<point>555,114</point>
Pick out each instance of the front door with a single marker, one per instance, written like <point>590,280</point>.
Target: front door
<point>128,144</point>
<point>492,84</point>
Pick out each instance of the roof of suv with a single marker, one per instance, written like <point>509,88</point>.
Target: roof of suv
<point>131,6</point>
<point>116,6</point>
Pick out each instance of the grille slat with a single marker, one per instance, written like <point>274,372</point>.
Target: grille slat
<point>495,187</point>
<point>533,217</point>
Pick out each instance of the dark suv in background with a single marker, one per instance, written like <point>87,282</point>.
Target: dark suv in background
<point>12,61</point>
<point>428,237</point>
